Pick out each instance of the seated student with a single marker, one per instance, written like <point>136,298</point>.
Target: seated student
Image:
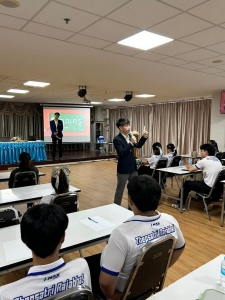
<point>210,166</point>
<point>43,231</point>
<point>214,144</point>
<point>171,152</point>
<point>24,165</point>
<point>121,253</point>
<point>152,161</point>
<point>60,182</point>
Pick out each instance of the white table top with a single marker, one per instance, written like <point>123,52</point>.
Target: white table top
<point>4,176</point>
<point>25,194</point>
<point>177,170</point>
<point>191,286</point>
<point>78,235</point>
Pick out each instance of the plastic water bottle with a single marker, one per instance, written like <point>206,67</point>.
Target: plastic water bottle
<point>190,161</point>
<point>222,274</point>
<point>180,163</point>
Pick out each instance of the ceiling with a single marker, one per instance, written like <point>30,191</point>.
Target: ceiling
<point>37,44</point>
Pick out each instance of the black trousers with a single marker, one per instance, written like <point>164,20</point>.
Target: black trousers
<point>196,186</point>
<point>54,142</point>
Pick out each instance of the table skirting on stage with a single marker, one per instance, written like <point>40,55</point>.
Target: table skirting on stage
<point>10,151</point>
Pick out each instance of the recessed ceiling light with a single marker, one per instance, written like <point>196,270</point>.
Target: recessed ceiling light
<point>116,100</point>
<point>145,40</point>
<point>93,102</point>
<point>36,83</point>
<point>144,96</point>
<point>6,96</point>
<point>10,3</point>
<point>16,91</point>
<point>217,61</point>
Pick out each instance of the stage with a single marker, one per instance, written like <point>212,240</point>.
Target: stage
<point>68,157</point>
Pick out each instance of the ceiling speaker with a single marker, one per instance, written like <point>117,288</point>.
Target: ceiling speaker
<point>10,3</point>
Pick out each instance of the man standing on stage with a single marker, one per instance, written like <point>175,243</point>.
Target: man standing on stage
<point>56,126</point>
<point>124,143</point>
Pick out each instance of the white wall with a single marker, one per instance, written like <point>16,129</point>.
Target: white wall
<point>217,131</point>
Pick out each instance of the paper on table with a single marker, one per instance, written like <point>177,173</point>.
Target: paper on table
<point>101,225</point>
<point>16,250</point>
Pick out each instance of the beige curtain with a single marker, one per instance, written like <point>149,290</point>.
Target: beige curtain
<point>186,124</point>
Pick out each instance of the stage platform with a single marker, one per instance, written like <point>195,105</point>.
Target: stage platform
<point>68,157</point>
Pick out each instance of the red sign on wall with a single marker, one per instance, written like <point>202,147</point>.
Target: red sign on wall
<point>222,103</point>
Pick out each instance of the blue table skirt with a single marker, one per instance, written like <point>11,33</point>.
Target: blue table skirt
<point>9,152</point>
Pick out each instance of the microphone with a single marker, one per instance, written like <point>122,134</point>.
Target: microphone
<point>130,135</point>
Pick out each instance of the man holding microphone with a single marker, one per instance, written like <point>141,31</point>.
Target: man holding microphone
<point>124,143</point>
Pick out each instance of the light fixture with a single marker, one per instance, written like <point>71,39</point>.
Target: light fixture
<point>16,91</point>
<point>36,83</point>
<point>128,96</point>
<point>94,102</point>
<point>82,91</point>
<point>116,99</point>
<point>7,96</point>
<point>10,3</point>
<point>217,61</point>
<point>144,96</point>
<point>145,40</point>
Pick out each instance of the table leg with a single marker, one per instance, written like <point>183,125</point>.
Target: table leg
<point>159,178</point>
<point>182,194</point>
<point>222,209</point>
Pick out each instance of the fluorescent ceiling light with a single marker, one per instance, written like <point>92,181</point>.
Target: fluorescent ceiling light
<point>116,100</point>
<point>144,96</point>
<point>36,83</point>
<point>6,96</point>
<point>93,102</point>
<point>145,40</point>
<point>18,91</point>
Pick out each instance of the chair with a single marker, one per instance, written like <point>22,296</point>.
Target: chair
<point>162,163</point>
<point>174,163</point>
<point>24,179</point>
<point>217,188</point>
<point>8,217</point>
<point>32,138</point>
<point>68,201</point>
<point>149,275</point>
<point>5,139</point>
<point>219,155</point>
<point>81,292</point>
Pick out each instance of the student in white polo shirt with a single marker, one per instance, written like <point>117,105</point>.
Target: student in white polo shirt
<point>210,166</point>
<point>150,163</point>
<point>43,231</point>
<point>122,251</point>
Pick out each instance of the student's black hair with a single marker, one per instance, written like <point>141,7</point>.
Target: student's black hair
<point>145,192</point>
<point>172,148</point>
<point>42,228</point>
<point>63,183</point>
<point>57,113</point>
<point>155,148</point>
<point>24,160</point>
<point>122,122</point>
<point>214,143</point>
<point>209,148</point>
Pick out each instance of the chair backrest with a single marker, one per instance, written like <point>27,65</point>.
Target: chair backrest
<point>8,217</point>
<point>149,275</point>
<point>219,155</point>
<point>81,292</point>
<point>162,163</point>
<point>5,139</point>
<point>217,188</point>
<point>68,201</point>
<point>24,179</point>
<point>32,138</point>
<point>175,161</point>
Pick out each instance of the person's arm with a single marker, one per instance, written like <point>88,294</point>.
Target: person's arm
<point>51,126</point>
<point>191,168</point>
<point>11,178</point>
<point>62,125</point>
<point>122,149</point>
<point>141,142</point>
<point>176,254</point>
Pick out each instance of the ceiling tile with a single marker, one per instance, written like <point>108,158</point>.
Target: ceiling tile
<point>210,70</point>
<point>143,14</point>
<point>222,74</point>
<point>220,47</point>
<point>219,66</point>
<point>174,48</point>
<point>26,10</point>
<point>150,56</point>
<point>206,37</point>
<point>11,22</point>
<point>173,61</point>
<point>180,26</point>
<point>88,41</point>
<point>209,61</point>
<point>184,5</point>
<point>99,7</point>
<point>193,66</point>
<point>48,31</point>
<point>212,11</point>
<point>122,49</point>
<point>53,15</point>
<point>110,31</point>
<point>197,55</point>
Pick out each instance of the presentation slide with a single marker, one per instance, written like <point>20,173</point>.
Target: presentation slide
<point>76,123</point>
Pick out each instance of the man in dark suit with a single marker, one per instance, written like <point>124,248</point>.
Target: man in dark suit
<point>124,143</point>
<point>56,126</point>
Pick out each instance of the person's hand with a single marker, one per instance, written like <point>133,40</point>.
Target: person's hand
<point>55,133</point>
<point>133,139</point>
<point>145,134</point>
